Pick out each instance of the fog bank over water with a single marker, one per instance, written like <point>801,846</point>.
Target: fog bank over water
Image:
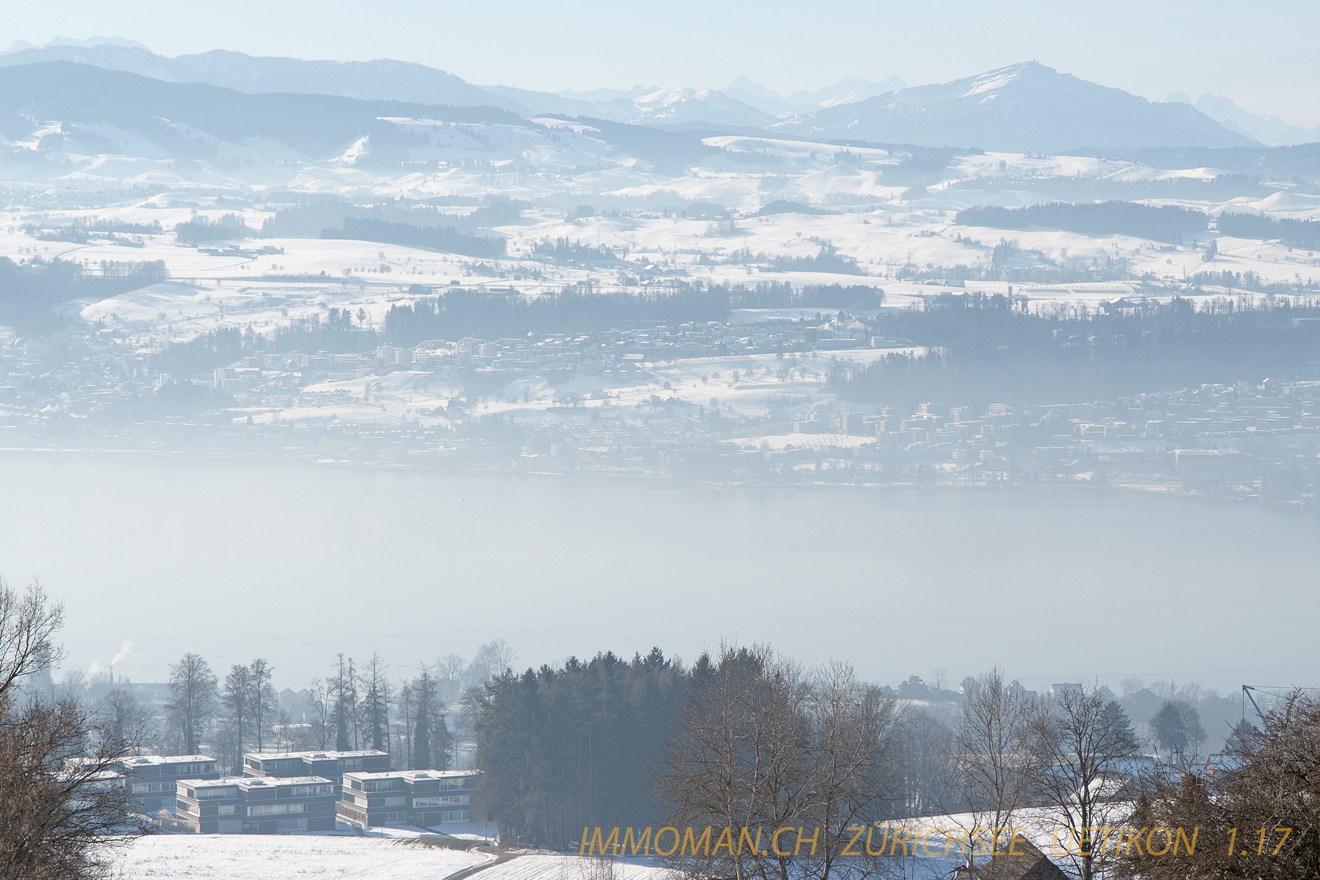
<point>295,563</point>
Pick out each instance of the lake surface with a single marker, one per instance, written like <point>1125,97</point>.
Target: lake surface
<point>296,562</point>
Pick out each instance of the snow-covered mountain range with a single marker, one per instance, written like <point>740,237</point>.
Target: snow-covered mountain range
<point>1024,107</point>
<point>1266,129</point>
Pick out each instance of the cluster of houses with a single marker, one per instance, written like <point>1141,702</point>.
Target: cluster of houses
<point>297,791</point>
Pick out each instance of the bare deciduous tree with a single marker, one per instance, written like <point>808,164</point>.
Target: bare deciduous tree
<point>1090,745</point>
<point>129,724</point>
<point>192,702</point>
<point>738,756</point>
<point>853,762</point>
<point>998,753</point>
<point>758,743</point>
<point>320,716</point>
<point>60,802</point>
<point>261,700</point>
<point>28,621</point>
<point>234,699</point>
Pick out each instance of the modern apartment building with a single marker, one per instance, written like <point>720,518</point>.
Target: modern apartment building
<point>256,805</point>
<point>152,778</point>
<point>424,798</point>
<point>331,765</point>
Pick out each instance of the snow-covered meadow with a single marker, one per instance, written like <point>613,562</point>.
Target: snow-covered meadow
<point>271,857</point>
<point>330,857</point>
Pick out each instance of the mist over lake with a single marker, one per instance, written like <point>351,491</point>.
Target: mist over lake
<point>297,562</point>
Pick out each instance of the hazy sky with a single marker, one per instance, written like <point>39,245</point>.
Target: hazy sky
<point>1260,54</point>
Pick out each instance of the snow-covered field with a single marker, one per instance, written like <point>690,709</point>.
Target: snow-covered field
<point>313,857</point>
<point>559,867</point>
<point>271,857</point>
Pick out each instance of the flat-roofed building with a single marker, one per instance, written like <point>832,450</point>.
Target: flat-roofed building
<point>256,805</point>
<point>332,765</point>
<point>424,798</point>
<point>152,778</point>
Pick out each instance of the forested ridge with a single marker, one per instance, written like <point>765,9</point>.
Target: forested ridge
<point>457,313</point>
<point>1166,223</point>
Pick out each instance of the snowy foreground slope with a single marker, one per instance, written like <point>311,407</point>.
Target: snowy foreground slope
<point>261,857</point>
<point>258,857</point>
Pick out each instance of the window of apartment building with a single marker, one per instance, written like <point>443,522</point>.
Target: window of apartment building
<point>444,800</point>
<point>228,809</point>
<point>291,825</point>
<point>145,787</point>
<point>275,809</point>
<point>463,782</point>
<point>211,793</point>
<point>312,790</point>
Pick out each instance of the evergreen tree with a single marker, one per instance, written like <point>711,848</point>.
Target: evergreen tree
<point>442,740</point>
<point>574,746</point>
<point>342,707</point>
<point>375,704</point>
<point>424,694</point>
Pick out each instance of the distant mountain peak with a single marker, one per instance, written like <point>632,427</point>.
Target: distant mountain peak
<point>1266,129</point>
<point>1022,107</point>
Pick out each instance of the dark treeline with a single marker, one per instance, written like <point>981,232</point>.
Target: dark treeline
<point>568,747</point>
<point>82,230</point>
<point>307,218</point>
<point>561,250</point>
<point>1168,223</point>
<point>222,228</point>
<point>989,349</point>
<point>827,260</point>
<point>1295,233</point>
<point>1088,189</point>
<point>784,206</point>
<point>31,292</point>
<point>206,351</point>
<point>216,348</point>
<point>335,334</point>
<point>918,171</point>
<point>457,313</point>
<point>446,239</point>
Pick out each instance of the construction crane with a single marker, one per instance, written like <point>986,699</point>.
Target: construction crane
<point>1246,693</point>
<point>1277,692</point>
